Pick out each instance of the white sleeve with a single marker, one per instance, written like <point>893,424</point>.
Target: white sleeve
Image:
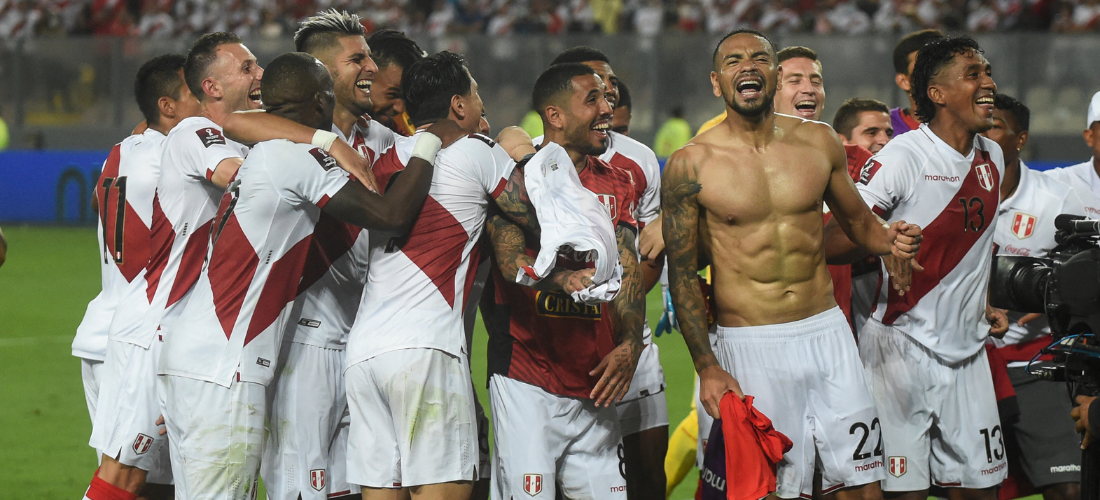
<point>203,150</point>
<point>649,207</point>
<point>1072,204</point>
<point>309,176</point>
<point>492,165</point>
<point>887,180</point>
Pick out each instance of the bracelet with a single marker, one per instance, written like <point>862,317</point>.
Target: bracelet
<point>426,147</point>
<point>323,139</point>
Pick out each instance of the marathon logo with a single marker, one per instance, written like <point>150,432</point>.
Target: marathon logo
<point>995,469</point>
<point>942,178</point>
<point>714,480</point>
<point>871,466</point>
<point>561,305</point>
<point>327,162</point>
<point>619,489</point>
<point>1065,468</point>
<point>210,136</point>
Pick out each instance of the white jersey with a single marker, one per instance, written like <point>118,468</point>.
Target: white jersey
<point>417,285</point>
<point>1084,180</point>
<point>123,192</point>
<point>1025,226</point>
<point>237,311</point>
<point>920,179</point>
<point>336,268</point>
<point>135,179</point>
<point>645,172</point>
<point>183,210</point>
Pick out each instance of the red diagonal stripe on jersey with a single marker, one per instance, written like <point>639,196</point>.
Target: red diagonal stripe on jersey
<point>387,165</point>
<point>135,240</point>
<point>435,245</point>
<point>162,238</point>
<point>945,242</point>
<point>191,263</point>
<point>232,265</point>
<point>331,240</point>
<point>472,269</point>
<point>279,288</point>
<point>637,177</point>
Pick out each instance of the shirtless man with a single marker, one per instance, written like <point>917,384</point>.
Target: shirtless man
<point>747,196</point>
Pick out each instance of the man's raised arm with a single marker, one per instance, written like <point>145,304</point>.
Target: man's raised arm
<point>394,213</point>
<point>510,250</point>
<point>680,225</point>
<point>251,127</point>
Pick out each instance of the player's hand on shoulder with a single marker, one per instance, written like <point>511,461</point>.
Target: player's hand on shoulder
<point>447,131</point>
<point>714,383</point>
<point>516,141</point>
<point>616,371</point>
<point>998,321</point>
<point>354,163</point>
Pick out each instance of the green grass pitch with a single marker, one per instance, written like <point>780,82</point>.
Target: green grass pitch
<point>50,276</point>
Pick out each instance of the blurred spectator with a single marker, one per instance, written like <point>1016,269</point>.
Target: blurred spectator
<point>673,134</point>
<point>649,18</point>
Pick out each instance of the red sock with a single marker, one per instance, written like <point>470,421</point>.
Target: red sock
<point>102,490</point>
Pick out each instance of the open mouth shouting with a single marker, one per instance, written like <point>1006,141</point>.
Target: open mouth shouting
<point>806,108</point>
<point>364,85</point>
<point>750,87</point>
<point>255,96</point>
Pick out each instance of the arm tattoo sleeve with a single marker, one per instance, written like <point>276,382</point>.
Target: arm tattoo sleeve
<point>516,205</point>
<point>508,244</point>
<point>680,213</point>
<point>630,302</point>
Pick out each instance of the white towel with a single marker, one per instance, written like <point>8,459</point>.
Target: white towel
<point>572,218</point>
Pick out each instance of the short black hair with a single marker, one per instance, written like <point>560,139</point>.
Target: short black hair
<point>931,59</point>
<point>1020,113</point>
<point>912,43</point>
<point>321,31</point>
<point>292,78</point>
<point>580,54</point>
<point>847,116</point>
<point>555,81</point>
<point>428,85</point>
<point>158,77</point>
<point>624,96</point>
<point>394,47</point>
<point>795,51</point>
<point>742,31</point>
<point>202,54</point>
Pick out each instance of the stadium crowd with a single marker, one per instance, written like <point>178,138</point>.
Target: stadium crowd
<point>275,18</point>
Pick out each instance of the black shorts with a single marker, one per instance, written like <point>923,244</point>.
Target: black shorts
<point>1048,449</point>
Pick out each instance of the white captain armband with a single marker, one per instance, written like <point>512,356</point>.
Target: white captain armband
<point>427,146</point>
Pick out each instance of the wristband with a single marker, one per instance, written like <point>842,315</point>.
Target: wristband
<point>323,140</point>
<point>426,147</point>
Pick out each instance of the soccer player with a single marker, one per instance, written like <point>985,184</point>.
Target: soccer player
<point>218,364</point>
<point>643,412</point>
<point>1085,176</point>
<point>1047,451</point>
<point>755,184</point>
<point>905,56</point>
<point>923,352</point>
<point>557,366</point>
<point>394,52</point>
<point>863,122</point>
<point>134,454</point>
<point>408,378</point>
<point>620,118</point>
<point>801,89</point>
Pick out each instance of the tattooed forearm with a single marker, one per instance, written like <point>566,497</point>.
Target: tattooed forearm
<point>508,244</point>
<point>630,302</point>
<point>680,213</point>
<point>516,205</point>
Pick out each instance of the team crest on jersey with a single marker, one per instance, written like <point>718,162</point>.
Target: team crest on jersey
<point>985,176</point>
<point>897,466</point>
<point>142,444</point>
<point>317,479</point>
<point>210,136</point>
<point>532,484</point>
<point>327,162</point>
<point>868,171</point>
<point>1023,225</point>
<point>610,203</point>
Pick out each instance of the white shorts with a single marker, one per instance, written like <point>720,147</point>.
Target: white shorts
<point>90,373</point>
<point>215,435</point>
<point>939,422</point>
<point>544,442</point>
<point>412,420</point>
<point>305,452</point>
<point>129,405</point>
<point>643,407</point>
<point>806,377</point>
